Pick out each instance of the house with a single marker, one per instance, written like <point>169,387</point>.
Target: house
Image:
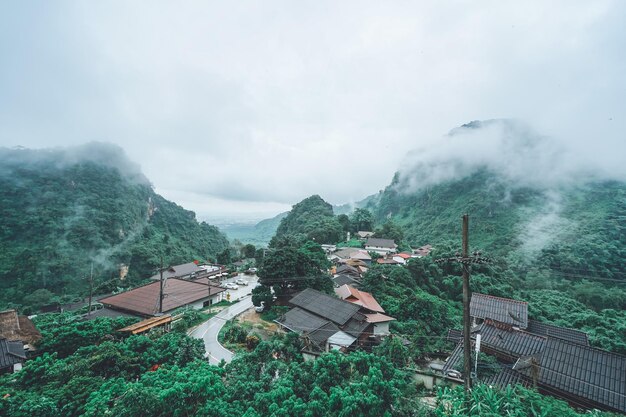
<point>381,246</point>
<point>188,270</point>
<point>342,279</point>
<point>144,301</point>
<point>346,254</point>
<point>401,258</point>
<point>327,323</point>
<point>328,249</point>
<point>348,270</point>
<point>383,261</point>
<point>364,235</point>
<point>559,361</point>
<point>369,307</point>
<point>12,355</point>
<point>16,327</point>
<point>422,251</point>
<point>503,310</point>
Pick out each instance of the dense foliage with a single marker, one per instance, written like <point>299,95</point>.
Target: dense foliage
<point>561,250</point>
<point>165,375</point>
<point>310,219</point>
<point>61,212</point>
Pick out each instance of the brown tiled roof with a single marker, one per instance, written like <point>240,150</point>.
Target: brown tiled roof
<point>500,309</point>
<point>362,298</point>
<point>145,300</point>
<point>377,318</point>
<point>14,327</point>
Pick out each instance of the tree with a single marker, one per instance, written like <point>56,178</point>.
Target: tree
<point>361,220</point>
<point>224,257</point>
<point>263,294</point>
<point>390,230</point>
<point>344,221</point>
<point>248,251</point>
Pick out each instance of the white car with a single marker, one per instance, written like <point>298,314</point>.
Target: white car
<point>241,281</point>
<point>231,286</point>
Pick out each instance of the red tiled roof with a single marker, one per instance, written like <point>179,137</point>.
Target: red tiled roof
<point>358,297</point>
<point>377,318</point>
<point>403,255</point>
<point>145,300</point>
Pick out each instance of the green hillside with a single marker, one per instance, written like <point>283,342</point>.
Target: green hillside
<point>63,210</point>
<point>258,234</point>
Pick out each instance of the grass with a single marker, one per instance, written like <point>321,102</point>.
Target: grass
<point>273,313</point>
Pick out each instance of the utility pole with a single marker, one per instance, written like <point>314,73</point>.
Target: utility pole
<point>466,260</point>
<point>161,287</point>
<point>90,289</point>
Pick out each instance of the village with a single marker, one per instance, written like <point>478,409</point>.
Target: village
<point>557,361</point>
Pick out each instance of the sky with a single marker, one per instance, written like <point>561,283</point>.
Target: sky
<point>238,110</point>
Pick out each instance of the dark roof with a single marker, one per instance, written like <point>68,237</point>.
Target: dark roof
<point>545,329</point>
<point>144,300</point>
<point>299,320</point>
<point>180,271</point>
<point>343,279</point>
<point>315,328</point>
<point>511,342</point>
<point>11,352</point>
<point>454,359</point>
<point>500,309</point>
<point>321,335</point>
<point>326,306</point>
<point>586,372</point>
<point>349,270</point>
<point>15,327</point>
<point>381,243</point>
<point>455,335</point>
<point>356,325</point>
<point>506,377</point>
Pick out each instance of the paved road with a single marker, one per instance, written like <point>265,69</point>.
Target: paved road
<point>209,330</point>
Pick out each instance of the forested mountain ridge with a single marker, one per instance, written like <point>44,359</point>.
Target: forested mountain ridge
<point>557,237</point>
<point>64,209</point>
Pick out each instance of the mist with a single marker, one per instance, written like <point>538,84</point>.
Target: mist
<point>512,150</point>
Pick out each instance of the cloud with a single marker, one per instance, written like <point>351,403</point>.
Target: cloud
<point>511,149</point>
<point>275,101</point>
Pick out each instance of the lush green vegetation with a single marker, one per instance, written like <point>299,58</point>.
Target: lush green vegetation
<point>61,214</point>
<point>165,375</point>
<point>311,219</point>
<point>560,250</point>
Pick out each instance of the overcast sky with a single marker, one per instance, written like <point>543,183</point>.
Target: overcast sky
<point>241,109</point>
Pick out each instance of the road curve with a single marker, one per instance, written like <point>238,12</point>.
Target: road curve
<point>209,330</point>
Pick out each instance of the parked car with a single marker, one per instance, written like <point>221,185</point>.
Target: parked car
<point>231,286</point>
<point>250,271</point>
<point>241,281</point>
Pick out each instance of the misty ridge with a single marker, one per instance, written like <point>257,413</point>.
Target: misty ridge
<point>99,153</point>
<point>509,148</point>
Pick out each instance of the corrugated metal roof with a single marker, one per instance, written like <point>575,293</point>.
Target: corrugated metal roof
<point>179,271</point>
<point>454,359</point>
<point>546,329</point>
<point>11,352</point>
<point>500,309</point>
<point>331,308</point>
<point>299,321</point>
<point>586,372</point>
<point>381,243</point>
<point>511,342</point>
<point>506,377</point>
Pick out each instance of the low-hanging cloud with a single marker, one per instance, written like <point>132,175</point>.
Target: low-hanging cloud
<point>511,149</point>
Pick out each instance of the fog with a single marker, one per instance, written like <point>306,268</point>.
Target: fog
<point>243,109</point>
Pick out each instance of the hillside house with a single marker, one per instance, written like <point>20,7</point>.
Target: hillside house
<point>559,361</point>
<point>144,301</point>
<point>16,327</point>
<point>369,307</point>
<point>363,235</point>
<point>327,323</point>
<point>12,355</point>
<point>422,251</point>
<point>381,246</point>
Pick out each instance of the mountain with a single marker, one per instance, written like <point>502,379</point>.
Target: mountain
<point>258,234</point>
<point>310,219</point>
<point>66,209</point>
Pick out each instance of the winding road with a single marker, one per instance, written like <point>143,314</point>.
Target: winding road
<point>209,330</point>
